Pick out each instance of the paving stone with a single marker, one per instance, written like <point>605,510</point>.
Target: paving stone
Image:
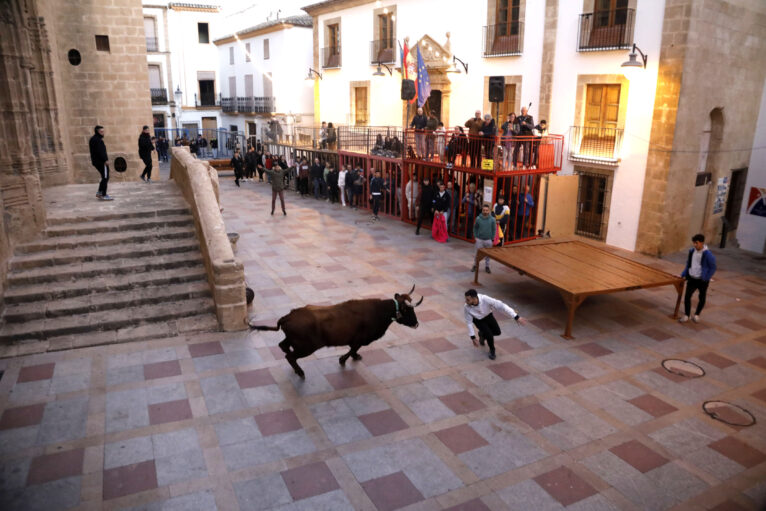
<point>222,394</point>
<point>528,495</point>
<point>273,423</point>
<point>169,411</point>
<point>22,416</point>
<point>461,438</point>
<point>65,493</point>
<point>36,372</point>
<point>162,369</point>
<point>391,492</point>
<point>174,442</point>
<point>309,480</point>
<point>382,423</point>
<point>63,420</point>
<point>126,410</point>
<point>537,416</point>
<point>744,454</point>
<point>129,479</point>
<point>462,402</point>
<point>184,466</point>
<point>128,452</point>
<point>50,467</point>
<point>639,456</point>
<point>565,486</point>
<point>330,501</point>
<point>265,492</point>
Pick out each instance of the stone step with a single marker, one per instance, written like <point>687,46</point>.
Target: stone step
<point>130,317</point>
<point>94,302</point>
<point>106,239</point>
<point>91,254</point>
<point>109,268</point>
<point>95,227</point>
<point>171,206</point>
<point>62,290</point>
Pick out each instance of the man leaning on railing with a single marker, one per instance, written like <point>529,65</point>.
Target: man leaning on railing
<point>419,122</point>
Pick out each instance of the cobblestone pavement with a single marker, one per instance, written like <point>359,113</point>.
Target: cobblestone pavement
<point>425,421</point>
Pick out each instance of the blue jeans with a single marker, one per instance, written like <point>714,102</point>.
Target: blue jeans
<point>317,188</point>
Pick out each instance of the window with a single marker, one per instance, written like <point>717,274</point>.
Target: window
<point>386,30</point>
<point>608,27</point>
<point>592,204</point>
<point>265,49</point>
<point>507,17</point>
<point>247,52</point>
<point>608,13</point>
<point>333,39</point>
<point>102,43</point>
<point>233,86</point>
<point>602,107</point>
<point>267,85</point>
<point>207,92</point>
<point>150,30</point>
<point>202,31</point>
<point>231,55</point>
<point>506,36</point>
<point>249,86</point>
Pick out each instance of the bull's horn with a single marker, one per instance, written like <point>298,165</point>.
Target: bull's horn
<point>411,290</point>
<point>419,302</point>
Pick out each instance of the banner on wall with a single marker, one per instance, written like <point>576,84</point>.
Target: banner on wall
<point>756,203</point>
<point>720,195</point>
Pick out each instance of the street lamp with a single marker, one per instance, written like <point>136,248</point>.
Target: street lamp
<point>380,72</point>
<point>454,68</point>
<point>178,95</point>
<point>310,76</point>
<point>631,67</point>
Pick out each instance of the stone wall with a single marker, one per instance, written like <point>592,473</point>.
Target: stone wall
<point>712,57</point>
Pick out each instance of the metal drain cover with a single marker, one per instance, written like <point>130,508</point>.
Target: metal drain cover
<point>683,368</point>
<point>728,413</point>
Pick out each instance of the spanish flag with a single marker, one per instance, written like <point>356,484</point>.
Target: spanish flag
<point>409,67</point>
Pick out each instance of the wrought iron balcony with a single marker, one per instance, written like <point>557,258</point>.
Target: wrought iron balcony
<point>331,57</point>
<point>595,145</point>
<point>383,51</point>
<point>206,99</point>
<point>159,96</point>
<point>606,30</point>
<point>152,44</point>
<point>248,104</point>
<point>503,40</point>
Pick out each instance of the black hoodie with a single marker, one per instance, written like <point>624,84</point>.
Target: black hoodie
<point>98,155</point>
<point>145,146</point>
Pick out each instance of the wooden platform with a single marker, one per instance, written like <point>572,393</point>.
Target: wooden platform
<point>578,269</point>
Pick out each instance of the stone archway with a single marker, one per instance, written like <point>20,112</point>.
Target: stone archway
<point>437,58</point>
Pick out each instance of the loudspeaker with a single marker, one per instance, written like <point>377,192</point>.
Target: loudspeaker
<point>496,89</point>
<point>408,90</point>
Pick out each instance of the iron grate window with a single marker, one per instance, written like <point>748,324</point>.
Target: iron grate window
<point>102,43</point>
<point>593,193</point>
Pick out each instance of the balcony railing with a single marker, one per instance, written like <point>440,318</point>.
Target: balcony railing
<point>152,44</point>
<point>383,51</point>
<point>159,96</point>
<point>595,145</point>
<point>248,104</point>
<point>331,57</point>
<point>503,40</point>
<point>606,30</point>
<point>206,100</point>
<point>383,141</point>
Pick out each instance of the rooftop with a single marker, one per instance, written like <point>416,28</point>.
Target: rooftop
<point>296,21</point>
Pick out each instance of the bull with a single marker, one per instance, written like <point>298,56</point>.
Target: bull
<point>354,323</point>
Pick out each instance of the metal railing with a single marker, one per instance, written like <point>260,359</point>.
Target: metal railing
<point>503,40</point>
<point>491,154</point>
<point>215,144</point>
<point>152,44</point>
<point>383,141</point>
<point>248,104</point>
<point>383,51</point>
<point>159,96</point>
<point>331,57</point>
<point>595,145</point>
<point>606,30</point>
<point>207,100</point>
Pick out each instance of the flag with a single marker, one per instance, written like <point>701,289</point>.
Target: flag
<point>409,68</point>
<point>424,83</point>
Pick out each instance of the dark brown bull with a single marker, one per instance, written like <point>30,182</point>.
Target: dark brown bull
<point>354,323</point>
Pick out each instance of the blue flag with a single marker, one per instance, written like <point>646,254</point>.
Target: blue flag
<point>424,83</point>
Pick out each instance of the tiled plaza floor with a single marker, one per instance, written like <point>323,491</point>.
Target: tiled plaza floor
<point>425,421</point>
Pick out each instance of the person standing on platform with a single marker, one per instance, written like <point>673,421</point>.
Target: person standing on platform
<point>145,148</point>
<point>100,160</point>
<point>478,312</point>
<point>419,122</point>
<point>474,126</point>
<point>700,267</point>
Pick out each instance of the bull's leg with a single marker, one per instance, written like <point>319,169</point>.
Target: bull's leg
<point>292,359</point>
<point>296,353</point>
<point>285,346</point>
<point>351,353</point>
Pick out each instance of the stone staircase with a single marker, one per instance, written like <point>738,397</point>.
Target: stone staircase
<point>107,272</point>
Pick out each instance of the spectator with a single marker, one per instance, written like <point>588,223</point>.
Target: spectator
<point>145,148</point>
<point>431,125</point>
<point>193,146</point>
<point>411,191</point>
<point>502,214</point>
<point>342,184</point>
<point>251,162</point>
<point>162,148</point>
<point>474,126</point>
<point>323,136</point>
<point>510,129</point>
<point>202,143</point>
<point>332,137</point>
<point>526,125</point>
<point>539,132</point>
<point>214,146</point>
<point>471,202</point>
<point>484,228</point>
<point>442,202</point>
<point>457,146</point>
<point>238,164</point>
<point>441,135</point>
<point>277,178</point>
<point>454,192</point>
<point>524,209</point>
<point>419,122</point>
<point>376,194</point>
<point>100,160</point>
<point>317,177</point>
<point>333,177</point>
<point>700,267</point>
<point>303,177</point>
<point>488,133</point>
<point>358,187</point>
<point>425,202</point>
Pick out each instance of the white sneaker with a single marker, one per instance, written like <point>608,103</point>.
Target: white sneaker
<point>683,319</point>
<point>696,318</point>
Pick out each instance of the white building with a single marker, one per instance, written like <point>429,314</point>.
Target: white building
<point>617,182</point>
<point>263,69</point>
<point>183,64</point>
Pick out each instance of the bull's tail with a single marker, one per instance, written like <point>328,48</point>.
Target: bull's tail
<point>264,327</point>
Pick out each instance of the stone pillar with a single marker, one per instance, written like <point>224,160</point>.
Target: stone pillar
<point>549,55</point>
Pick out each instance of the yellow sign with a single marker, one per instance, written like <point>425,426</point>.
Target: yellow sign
<point>487,164</point>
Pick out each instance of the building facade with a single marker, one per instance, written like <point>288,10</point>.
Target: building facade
<point>265,93</point>
<point>632,175</point>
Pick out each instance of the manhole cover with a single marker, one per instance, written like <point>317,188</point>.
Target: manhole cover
<point>683,368</point>
<point>728,413</point>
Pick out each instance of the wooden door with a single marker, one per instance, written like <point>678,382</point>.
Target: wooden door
<point>591,205</point>
<point>506,106</point>
<point>736,194</point>
<point>209,124</point>
<point>609,20</point>
<point>602,109</point>
<point>434,104</point>
<point>361,117</point>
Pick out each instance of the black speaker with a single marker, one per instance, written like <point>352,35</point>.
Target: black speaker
<point>408,90</point>
<point>496,89</point>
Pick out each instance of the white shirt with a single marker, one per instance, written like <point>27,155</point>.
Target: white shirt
<point>695,270</point>
<point>486,305</point>
<point>342,178</point>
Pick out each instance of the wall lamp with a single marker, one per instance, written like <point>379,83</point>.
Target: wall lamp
<point>309,76</point>
<point>380,72</point>
<point>454,68</point>
<point>632,65</point>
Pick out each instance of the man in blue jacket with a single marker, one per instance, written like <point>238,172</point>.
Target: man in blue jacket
<point>700,267</point>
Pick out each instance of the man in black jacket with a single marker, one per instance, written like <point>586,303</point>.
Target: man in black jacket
<point>420,122</point>
<point>426,202</point>
<point>145,148</point>
<point>376,194</point>
<point>317,178</point>
<point>100,160</point>
<point>526,125</point>
<point>251,161</point>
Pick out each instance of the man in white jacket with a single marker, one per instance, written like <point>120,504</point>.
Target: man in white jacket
<point>478,311</point>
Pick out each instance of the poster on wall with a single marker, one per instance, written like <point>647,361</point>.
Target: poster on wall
<point>720,195</point>
<point>756,203</point>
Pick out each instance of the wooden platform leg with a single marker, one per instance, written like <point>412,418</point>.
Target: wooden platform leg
<point>572,302</point>
<point>476,273</point>
<point>680,290</point>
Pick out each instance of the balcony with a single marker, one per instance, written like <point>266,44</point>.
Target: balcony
<point>595,145</point>
<point>248,104</point>
<point>152,44</point>
<point>331,57</point>
<point>382,141</point>
<point>503,40</point>
<point>206,99</point>
<point>606,30</point>
<point>383,51</point>
<point>159,96</point>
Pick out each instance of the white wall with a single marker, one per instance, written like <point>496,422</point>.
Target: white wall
<point>628,183</point>
<point>751,232</point>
